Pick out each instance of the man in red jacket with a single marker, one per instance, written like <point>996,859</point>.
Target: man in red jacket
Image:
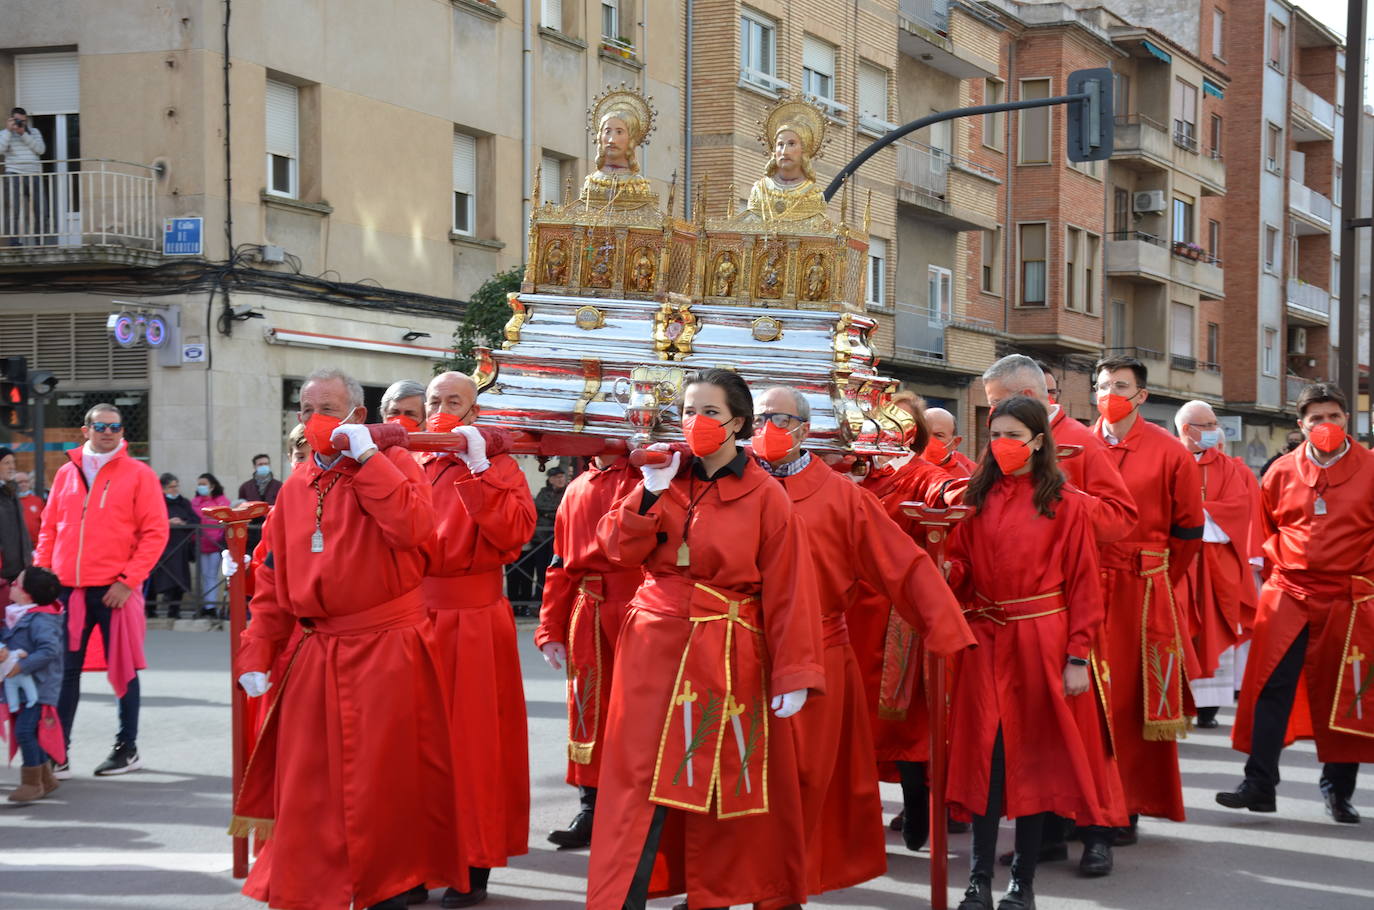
<point>943,448</point>
<point>103,530</point>
<point>31,502</point>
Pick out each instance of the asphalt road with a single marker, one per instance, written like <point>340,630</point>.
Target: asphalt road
<point>154,839</point>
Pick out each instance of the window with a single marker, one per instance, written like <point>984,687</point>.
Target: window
<point>464,183</point>
<point>758,50</point>
<point>1121,94</point>
<point>551,14</point>
<point>941,282</point>
<point>1214,139</point>
<point>1214,238</point>
<point>1271,342</point>
<point>1337,176</point>
<point>1080,269</point>
<point>1278,39</point>
<point>1116,326</point>
<point>1181,330</point>
<point>550,179</point>
<point>873,98</point>
<point>877,272</point>
<point>1092,245</point>
<point>1335,275</point>
<point>818,69</point>
<point>1035,124</point>
<point>1185,115</point>
<point>1218,34</point>
<point>610,19</point>
<point>1271,249</point>
<point>994,125</point>
<point>1071,286</point>
<point>1183,221</point>
<point>1032,252</point>
<point>1273,149</point>
<point>1213,344</point>
<point>283,139</point>
<point>1121,212</point>
<point>992,261</point>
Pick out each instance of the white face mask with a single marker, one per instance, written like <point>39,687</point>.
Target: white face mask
<point>1208,439</point>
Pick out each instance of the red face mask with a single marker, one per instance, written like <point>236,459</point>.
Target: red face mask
<point>936,452</point>
<point>772,443</point>
<point>1011,455</point>
<point>319,430</point>
<point>439,422</point>
<point>406,421</point>
<point>1053,397</point>
<point>1326,437</point>
<point>1114,408</point>
<point>704,434</point>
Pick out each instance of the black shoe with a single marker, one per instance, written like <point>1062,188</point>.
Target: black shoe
<point>1049,853</point>
<point>915,829</point>
<point>391,903</point>
<point>1207,718</point>
<point>123,759</point>
<point>1247,796</point>
<point>576,835</point>
<point>978,896</point>
<point>1019,896</point>
<point>1125,837</point>
<point>62,770</point>
<point>455,898</point>
<point>417,895</point>
<point>1096,861</point>
<point>1338,807</point>
<point>896,823</point>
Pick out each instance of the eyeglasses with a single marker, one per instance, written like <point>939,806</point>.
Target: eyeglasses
<point>101,427</point>
<point>778,419</point>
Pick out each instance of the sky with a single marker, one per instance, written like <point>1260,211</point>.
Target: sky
<point>1332,13</point>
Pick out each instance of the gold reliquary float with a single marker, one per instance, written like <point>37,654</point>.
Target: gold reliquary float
<point>621,300</point>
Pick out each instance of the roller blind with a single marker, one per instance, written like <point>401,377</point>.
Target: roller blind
<point>551,14</point>
<point>283,131</point>
<point>551,179</point>
<point>873,91</point>
<point>464,163</point>
<point>818,56</point>
<point>47,83</point>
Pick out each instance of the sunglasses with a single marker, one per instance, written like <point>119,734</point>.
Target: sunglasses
<point>101,427</point>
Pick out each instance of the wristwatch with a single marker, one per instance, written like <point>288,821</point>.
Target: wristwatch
<point>1078,661</point>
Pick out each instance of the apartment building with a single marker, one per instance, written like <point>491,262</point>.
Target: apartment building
<point>359,169</point>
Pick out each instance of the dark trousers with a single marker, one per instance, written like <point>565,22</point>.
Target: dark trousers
<point>97,614</point>
<point>26,732</point>
<point>1029,828</point>
<point>1272,709</point>
<point>24,209</point>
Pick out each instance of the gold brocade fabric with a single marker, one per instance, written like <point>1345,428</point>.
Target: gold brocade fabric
<point>801,202</point>
<point>618,192</point>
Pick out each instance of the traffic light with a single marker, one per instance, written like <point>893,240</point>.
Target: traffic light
<point>14,393</point>
<point>1090,120</point>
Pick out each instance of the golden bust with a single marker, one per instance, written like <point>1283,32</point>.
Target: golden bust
<point>794,133</point>
<point>621,120</point>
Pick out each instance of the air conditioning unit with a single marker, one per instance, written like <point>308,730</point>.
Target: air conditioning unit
<point>1299,343</point>
<point>1149,201</point>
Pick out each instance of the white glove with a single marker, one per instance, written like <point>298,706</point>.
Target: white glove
<point>359,440</point>
<point>254,683</point>
<point>657,478</point>
<point>789,703</point>
<point>476,455</point>
<point>555,654</point>
<point>227,566</point>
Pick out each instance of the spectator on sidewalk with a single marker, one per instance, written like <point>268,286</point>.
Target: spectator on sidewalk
<point>16,547</point>
<point>172,574</point>
<point>31,501</point>
<point>209,495</point>
<point>103,530</point>
<point>262,486</point>
<point>32,631</point>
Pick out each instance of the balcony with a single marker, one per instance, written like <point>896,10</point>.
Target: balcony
<point>1309,302</point>
<point>927,32</point>
<point>941,188</point>
<point>920,332</point>
<point>1312,208</point>
<point>1209,169</point>
<point>85,211</point>
<point>1192,266</point>
<point>1314,117</point>
<point>1295,385</point>
<point>1141,143</point>
<point>1139,256</point>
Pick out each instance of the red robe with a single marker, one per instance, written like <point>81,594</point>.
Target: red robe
<point>1149,648</point>
<point>854,541</point>
<point>483,522</point>
<point>1218,587</point>
<point>957,464</point>
<point>354,764</point>
<point>889,653</point>
<point>585,599</point>
<point>1322,577</point>
<point>1035,601</point>
<point>748,593</point>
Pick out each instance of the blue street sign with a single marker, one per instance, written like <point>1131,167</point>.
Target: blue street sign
<point>183,237</point>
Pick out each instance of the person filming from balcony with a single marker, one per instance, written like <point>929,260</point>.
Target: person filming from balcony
<point>22,147</point>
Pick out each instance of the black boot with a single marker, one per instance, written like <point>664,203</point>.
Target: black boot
<point>915,803</point>
<point>391,903</point>
<point>579,833</point>
<point>476,893</point>
<point>1128,835</point>
<point>978,896</point>
<point>1020,896</point>
<point>1207,718</point>
<point>417,895</point>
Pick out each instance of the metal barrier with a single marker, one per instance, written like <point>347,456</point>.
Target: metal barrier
<point>164,594</point>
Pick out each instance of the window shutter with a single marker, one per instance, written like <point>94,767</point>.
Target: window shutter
<point>47,83</point>
<point>551,14</point>
<point>818,56</point>
<point>873,91</point>
<point>464,163</point>
<point>551,179</point>
<point>283,131</point>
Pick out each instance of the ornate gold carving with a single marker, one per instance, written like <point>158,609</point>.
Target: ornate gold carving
<point>555,263</point>
<point>600,262</point>
<point>724,274</point>
<point>589,318</point>
<point>591,385</point>
<point>766,328</point>
<point>842,347</point>
<point>674,326</point>
<point>772,273</point>
<point>519,316</point>
<point>643,271</point>
<point>486,371</point>
<point>815,280</point>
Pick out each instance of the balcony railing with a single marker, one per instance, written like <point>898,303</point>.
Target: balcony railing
<point>1137,235</point>
<point>1185,135</point>
<point>921,330</point>
<point>762,80</point>
<point>929,14</point>
<point>1183,362</point>
<point>1308,201</point>
<point>618,47</point>
<point>81,202</point>
<point>1309,297</point>
<point>923,168</point>
<point>1295,385</point>
<point>1318,109</point>
<point>1186,249</point>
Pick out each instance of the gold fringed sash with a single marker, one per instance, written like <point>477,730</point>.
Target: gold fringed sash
<point>584,675</point>
<point>1161,652</point>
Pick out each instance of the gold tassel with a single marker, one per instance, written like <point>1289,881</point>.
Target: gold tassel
<point>1166,730</point>
<point>580,753</point>
<point>241,826</point>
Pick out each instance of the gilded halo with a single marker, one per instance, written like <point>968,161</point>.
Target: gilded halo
<point>624,101</point>
<point>805,118</point>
